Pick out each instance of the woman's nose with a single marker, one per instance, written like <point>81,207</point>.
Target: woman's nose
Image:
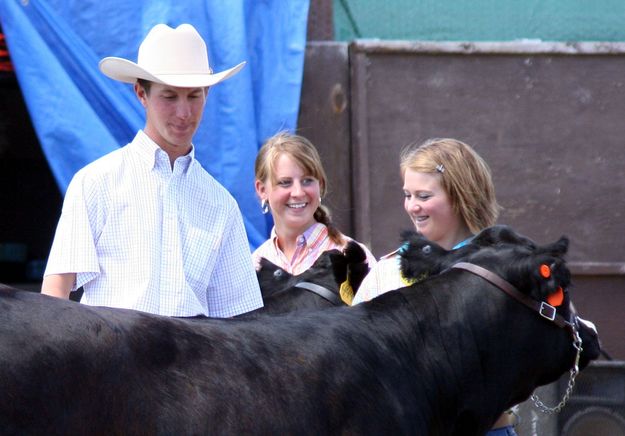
<point>296,189</point>
<point>413,205</point>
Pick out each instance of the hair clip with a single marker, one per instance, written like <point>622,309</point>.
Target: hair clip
<point>440,168</point>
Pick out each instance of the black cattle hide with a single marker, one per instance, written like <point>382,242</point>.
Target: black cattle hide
<point>445,356</point>
<point>281,293</point>
<point>421,258</point>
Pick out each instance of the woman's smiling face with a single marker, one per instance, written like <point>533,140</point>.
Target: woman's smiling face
<point>430,209</point>
<point>293,195</point>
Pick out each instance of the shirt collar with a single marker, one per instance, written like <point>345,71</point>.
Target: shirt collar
<point>462,243</point>
<point>313,236</point>
<point>152,154</point>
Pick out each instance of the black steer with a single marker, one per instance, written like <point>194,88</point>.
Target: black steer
<point>317,287</point>
<point>420,258</point>
<point>445,356</point>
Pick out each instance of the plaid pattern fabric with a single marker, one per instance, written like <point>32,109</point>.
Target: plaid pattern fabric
<point>310,245</point>
<point>144,236</point>
<point>386,276</point>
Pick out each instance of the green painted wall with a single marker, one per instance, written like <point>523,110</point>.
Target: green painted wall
<point>480,20</point>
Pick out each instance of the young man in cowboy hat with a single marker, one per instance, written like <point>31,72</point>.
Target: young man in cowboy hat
<point>146,227</point>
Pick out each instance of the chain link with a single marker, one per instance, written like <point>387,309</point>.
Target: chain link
<point>577,343</point>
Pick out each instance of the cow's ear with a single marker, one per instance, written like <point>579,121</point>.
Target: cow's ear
<point>267,265</point>
<point>338,263</point>
<point>354,252</point>
<point>556,249</point>
<point>357,266</point>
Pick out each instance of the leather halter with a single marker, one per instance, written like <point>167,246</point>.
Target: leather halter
<point>321,291</point>
<point>544,309</point>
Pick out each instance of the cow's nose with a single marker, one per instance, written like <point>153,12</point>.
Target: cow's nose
<point>589,324</point>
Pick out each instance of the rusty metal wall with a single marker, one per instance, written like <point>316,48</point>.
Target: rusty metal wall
<point>324,119</point>
<point>320,26</point>
<point>548,118</point>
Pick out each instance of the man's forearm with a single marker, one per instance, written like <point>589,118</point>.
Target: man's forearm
<point>58,285</point>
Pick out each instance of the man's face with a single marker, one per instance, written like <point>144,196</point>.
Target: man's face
<point>172,115</point>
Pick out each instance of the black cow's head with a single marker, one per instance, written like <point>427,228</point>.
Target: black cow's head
<point>515,342</point>
<point>339,272</point>
<point>501,234</point>
<point>421,258</point>
<point>539,271</point>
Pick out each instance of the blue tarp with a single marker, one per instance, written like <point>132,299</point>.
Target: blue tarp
<point>80,115</point>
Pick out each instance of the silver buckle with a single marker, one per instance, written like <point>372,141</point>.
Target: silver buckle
<point>547,311</point>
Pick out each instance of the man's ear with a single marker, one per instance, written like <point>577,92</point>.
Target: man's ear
<point>141,94</point>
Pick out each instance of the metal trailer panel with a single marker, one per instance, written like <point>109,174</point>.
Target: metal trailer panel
<point>548,118</point>
<point>324,118</point>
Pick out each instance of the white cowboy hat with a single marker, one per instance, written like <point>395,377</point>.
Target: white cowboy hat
<point>175,57</point>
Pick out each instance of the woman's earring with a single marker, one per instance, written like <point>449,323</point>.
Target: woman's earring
<point>264,206</point>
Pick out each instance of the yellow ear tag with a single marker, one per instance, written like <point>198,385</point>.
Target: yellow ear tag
<point>346,292</point>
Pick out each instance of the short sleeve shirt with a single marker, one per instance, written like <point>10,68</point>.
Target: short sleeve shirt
<point>386,276</point>
<point>142,235</point>
<point>314,241</point>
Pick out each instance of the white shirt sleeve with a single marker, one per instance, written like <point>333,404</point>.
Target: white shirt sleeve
<point>73,249</point>
<point>234,288</point>
<point>384,276</point>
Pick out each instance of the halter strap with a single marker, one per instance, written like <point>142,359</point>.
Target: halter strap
<point>545,310</point>
<point>321,291</point>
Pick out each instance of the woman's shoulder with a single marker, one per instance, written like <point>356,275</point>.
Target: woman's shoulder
<point>264,249</point>
<point>388,263</point>
<point>392,255</point>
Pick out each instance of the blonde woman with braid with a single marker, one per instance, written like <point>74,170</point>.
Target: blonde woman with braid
<point>291,183</point>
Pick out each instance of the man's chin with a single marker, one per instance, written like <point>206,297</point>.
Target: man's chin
<point>180,141</point>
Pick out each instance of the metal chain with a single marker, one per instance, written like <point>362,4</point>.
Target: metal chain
<point>577,343</point>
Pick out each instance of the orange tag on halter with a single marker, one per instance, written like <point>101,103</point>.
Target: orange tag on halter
<point>545,271</point>
<point>556,298</point>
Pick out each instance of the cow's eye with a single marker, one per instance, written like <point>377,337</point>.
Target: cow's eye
<point>427,249</point>
<point>278,274</point>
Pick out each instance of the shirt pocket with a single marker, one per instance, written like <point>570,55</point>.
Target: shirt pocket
<point>200,250</point>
